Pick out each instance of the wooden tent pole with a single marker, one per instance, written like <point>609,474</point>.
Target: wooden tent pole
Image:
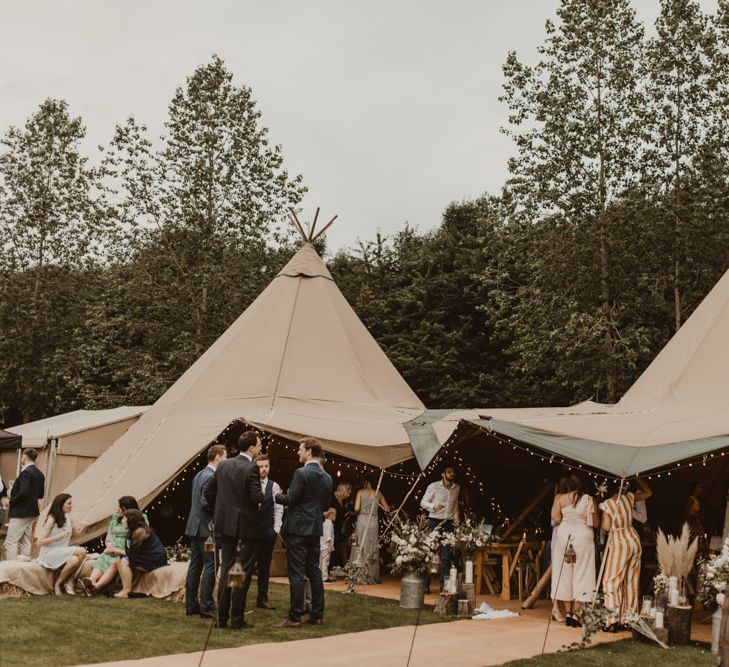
<point>313,224</point>
<point>537,499</point>
<point>296,222</point>
<point>537,591</point>
<point>324,228</point>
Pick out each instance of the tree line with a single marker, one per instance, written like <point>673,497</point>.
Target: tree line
<point>117,271</point>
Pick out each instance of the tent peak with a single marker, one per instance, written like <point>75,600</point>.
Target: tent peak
<point>310,235</point>
<point>307,263</point>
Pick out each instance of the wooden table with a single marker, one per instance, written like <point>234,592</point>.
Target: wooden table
<point>509,552</point>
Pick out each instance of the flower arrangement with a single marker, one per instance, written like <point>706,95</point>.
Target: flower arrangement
<point>179,552</point>
<point>593,618</point>
<point>676,556</point>
<point>714,577</point>
<point>468,538</point>
<point>412,546</point>
<point>661,585</point>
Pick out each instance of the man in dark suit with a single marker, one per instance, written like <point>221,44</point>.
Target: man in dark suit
<point>234,493</point>
<point>198,530</point>
<point>26,499</point>
<point>307,498</point>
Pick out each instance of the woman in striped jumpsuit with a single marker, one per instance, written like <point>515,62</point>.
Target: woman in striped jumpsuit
<point>621,581</point>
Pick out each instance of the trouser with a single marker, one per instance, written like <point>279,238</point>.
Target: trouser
<point>302,556</point>
<point>445,550</point>
<point>202,566</point>
<point>263,564</point>
<point>17,541</point>
<point>324,556</point>
<point>232,601</point>
<point>621,581</point>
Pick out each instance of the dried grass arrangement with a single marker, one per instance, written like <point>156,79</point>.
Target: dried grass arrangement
<point>676,556</point>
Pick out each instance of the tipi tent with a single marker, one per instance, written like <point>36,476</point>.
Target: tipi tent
<point>69,442</point>
<point>298,362</point>
<point>676,410</point>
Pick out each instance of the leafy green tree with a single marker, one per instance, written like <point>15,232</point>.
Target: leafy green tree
<point>52,215</point>
<point>576,120</point>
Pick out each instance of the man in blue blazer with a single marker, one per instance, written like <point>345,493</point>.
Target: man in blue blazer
<point>307,498</point>
<point>198,529</point>
<point>26,501</point>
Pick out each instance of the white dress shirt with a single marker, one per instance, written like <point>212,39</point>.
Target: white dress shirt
<point>327,535</point>
<point>278,510</point>
<point>438,494</point>
<point>640,511</point>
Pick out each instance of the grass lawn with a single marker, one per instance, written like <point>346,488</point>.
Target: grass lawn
<point>73,630</point>
<point>626,653</point>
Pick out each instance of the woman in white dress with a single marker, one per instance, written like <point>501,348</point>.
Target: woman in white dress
<point>573,577</point>
<point>54,539</point>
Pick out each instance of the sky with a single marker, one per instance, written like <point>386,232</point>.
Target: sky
<point>388,109</point>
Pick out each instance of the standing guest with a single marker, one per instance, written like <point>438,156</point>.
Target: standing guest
<point>271,518</point>
<point>145,552</point>
<point>692,514</point>
<point>3,501</point>
<point>54,539</point>
<point>441,502</point>
<point>342,503</point>
<point>367,533</point>
<point>640,515</point>
<point>621,581</point>
<point>573,583</point>
<point>307,498</point>
<point>202,563</point>
<point>115,547</point>
<point>26,500</point>
<point>234,494</point>
<point>326,543</point>
<point>562,487</point>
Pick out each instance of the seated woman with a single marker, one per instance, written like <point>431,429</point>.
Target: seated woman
<point>144,551</point>
<point>54,539</point>
<point>116,539</point>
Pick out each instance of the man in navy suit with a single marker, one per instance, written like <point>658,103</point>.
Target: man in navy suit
<point>26,499</point>
<point>198,530</point>
<point>234,493</point>
<point>307,498</point>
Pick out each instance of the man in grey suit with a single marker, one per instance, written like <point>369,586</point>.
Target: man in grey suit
<point>198,530</point>
<point>307,498</point>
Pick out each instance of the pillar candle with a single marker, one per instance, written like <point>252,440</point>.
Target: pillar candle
<point>454,580</point>
<point>653,612</point>
<point>469,571</point>
<point>674,598</point>
<point>659,619</point>
<point>672,584</point>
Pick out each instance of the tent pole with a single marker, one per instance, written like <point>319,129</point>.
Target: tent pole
<point>325,228</point>
<point>520,519</point>
<point>50,469</point>
<point>296,222</point>
<point>402,504</point>
<point>313,224</point>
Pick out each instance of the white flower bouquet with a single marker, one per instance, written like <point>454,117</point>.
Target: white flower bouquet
<point>714,577</point>
<point>469,538</point>
<point>412,546</point>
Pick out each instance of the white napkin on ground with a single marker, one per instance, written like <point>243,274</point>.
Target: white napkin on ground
<point>488,613</point>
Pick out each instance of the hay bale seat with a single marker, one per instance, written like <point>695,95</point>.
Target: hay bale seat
<point>25,578</point>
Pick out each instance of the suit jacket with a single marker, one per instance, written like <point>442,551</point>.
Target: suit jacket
<point>307,498</point>
<point>27,491</point>
<point>200,517</point>
<point>234,494</point>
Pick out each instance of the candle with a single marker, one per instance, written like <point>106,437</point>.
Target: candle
<point>646,608</point>
<point>454,580</point>
<point>672,584</point>
<point>469,571</point>
<point>674,598</point>
<point>659,619</point>
<point>653,612</point>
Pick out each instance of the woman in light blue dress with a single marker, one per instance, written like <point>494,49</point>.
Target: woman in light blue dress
<point>54,539</point>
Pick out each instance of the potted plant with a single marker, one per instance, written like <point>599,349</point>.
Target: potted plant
<point>411,546</point>
<point>468,539</point>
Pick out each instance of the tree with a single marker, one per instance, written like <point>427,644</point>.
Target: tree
<point>577,124</point>
<point>215,190</point>
<point>677,74</point>
<point>52,215</point>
